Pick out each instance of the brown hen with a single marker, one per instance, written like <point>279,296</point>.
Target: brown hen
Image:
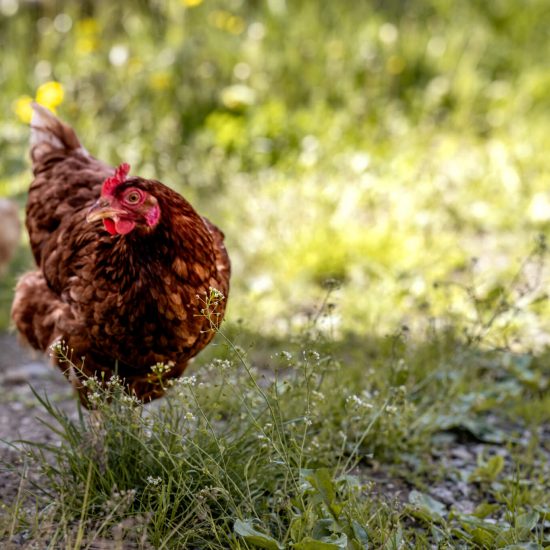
<point>124,266</point>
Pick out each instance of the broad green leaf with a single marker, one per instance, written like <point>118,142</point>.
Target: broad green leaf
<point>483,537</point>
<point>470,523</point>
<point>395,540</point>
<point>252,536</point>
<point>426,507</point>
<point>360,534</point>
<point>482,430</point>
<point>544,511</point>
<point>324,528</point>
<point>495,466</point>
<point>322,481</point>
<point>485,509</point>
<point>296,527</point>
<point>490,470</point>
<point>326,543</point>
<point>525,523</point>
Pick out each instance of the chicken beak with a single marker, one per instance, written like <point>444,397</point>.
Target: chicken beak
<point>102,209</point>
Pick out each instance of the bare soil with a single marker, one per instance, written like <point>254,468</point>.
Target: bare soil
<point>21,372</point>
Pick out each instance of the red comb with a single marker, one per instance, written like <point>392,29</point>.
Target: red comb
<point>111,183</point>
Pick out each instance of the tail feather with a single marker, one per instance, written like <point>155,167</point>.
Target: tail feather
<point>48,134</point>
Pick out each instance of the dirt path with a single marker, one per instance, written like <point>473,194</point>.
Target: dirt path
<point>20,410</point>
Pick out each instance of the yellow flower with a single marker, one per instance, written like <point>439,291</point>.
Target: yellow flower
<point>86,31</point>
<point>226,21</point>
<point>235,24</point>
<point>160,80</point>
<point>88,26</point>
<point>191,3</point>
<point>22,108</point>
<point>50,94</point>
<point>85,44</point>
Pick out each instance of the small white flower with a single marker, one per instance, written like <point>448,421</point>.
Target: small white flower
<point>188,380</point>
<point>58,346</point>
<point>130,399</point>
<point>161,368</point>
<point>358,403</point>
<point>114,381</point>
<point>216,294</point>
<point>154,480</point>
<point>222,364</point>
<point>190,416</point>
<point>93,397</point>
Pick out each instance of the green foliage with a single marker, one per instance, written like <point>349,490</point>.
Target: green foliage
<point>406,143</point>
<point>398,148</point>
<point>237,458</point>
<point>243,462</point>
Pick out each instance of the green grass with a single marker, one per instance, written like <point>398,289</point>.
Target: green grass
<point>397,148</point>
<point>280,455</point>
<point>414,146</point>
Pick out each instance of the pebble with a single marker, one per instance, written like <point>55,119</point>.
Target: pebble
<point>443,494</point>
<point>25,373</point>
<point>462,453</point>
<point>464,506</point>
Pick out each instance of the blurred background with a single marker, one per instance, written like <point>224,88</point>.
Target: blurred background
<point>397,147</point>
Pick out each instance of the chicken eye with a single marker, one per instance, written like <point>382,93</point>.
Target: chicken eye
<point>132,198</point>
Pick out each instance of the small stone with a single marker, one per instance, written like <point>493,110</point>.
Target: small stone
<point>461,453</point>
<point>464,506</point>
<point>25,373</point>
<point>443,494</point>
<point>463,487</point>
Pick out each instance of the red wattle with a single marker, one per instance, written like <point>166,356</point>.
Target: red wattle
<point>109,226</point>
<point>124,227</point>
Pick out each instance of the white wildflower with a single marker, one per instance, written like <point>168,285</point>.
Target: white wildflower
<point>114,381</point>
<point>222,364</point>
<point>130,399</point>
<point>154,480</point>
<point>161,368</point>
<point>95,396</point>
<point>188,380</point>
<point>216,294</point>
<point>356,402</point>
